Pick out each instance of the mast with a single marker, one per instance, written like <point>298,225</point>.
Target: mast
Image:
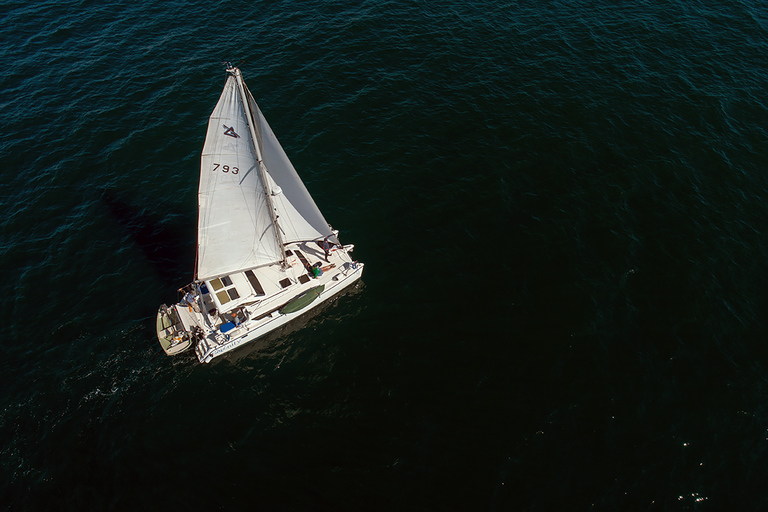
<point>262,169</point>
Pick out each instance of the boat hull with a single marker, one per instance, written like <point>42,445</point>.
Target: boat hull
<point>245,335</point>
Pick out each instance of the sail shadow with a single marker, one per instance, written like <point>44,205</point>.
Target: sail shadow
<point>245,175</point>
<point>167,242</point>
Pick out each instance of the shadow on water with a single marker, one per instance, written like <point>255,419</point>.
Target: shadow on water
<point>167,241</point>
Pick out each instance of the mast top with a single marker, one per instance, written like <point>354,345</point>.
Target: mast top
<point>233,70</point>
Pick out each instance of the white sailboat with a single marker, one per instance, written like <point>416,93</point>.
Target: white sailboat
<point>265,253</point>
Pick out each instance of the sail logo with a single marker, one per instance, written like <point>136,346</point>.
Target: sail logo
<point>231,132</point>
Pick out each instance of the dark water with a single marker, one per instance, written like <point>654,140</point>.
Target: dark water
<point>563,209</point>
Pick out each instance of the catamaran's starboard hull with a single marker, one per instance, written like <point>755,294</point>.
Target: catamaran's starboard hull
<point>237,338</point>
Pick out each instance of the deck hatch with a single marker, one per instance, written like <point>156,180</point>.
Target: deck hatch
<point>225,290</point>
<point>254,282</point>
<point>304,260</point>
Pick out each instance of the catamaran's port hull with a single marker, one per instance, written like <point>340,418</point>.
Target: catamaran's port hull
<point>206,353</point>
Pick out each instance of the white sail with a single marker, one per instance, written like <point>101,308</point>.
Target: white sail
<point>299,217</point>
<point>235,229</point>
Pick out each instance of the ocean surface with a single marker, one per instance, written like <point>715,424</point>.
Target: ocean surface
<point>563,212</point>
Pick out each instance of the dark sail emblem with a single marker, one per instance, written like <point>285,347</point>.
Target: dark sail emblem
<point>231,132</point>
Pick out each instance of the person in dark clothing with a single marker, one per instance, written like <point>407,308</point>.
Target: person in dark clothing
<point>327,248</point>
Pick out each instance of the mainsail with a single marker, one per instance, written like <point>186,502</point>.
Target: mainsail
<point>236,229</point>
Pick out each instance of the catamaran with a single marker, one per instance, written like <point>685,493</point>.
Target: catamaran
<point>265,253</point>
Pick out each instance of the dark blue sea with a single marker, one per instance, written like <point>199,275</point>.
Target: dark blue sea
<point>563,212</point>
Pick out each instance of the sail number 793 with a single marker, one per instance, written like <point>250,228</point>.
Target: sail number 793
<point>225,168</point>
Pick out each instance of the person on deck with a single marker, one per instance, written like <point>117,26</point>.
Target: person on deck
<point>327,249</point>
<point>191,299</point>
<point>317,270</point>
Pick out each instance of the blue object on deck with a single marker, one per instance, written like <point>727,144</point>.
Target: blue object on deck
<point>227,327</point>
